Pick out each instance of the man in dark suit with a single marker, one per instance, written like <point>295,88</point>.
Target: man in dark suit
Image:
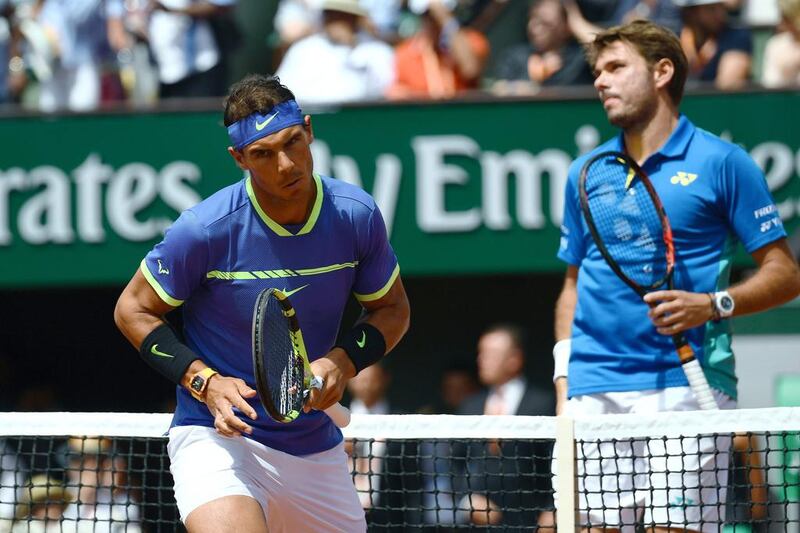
<point>506,482</point>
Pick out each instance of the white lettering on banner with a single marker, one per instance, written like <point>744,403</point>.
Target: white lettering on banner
<point>89,177</point>
<point>46,215</point>
<point>528,170</point>
<point>171,188</point>
<point>11,180</point>
<point>132,188</point>
<point>385,188</point>
<point>37,205</point>
<point>434,175</point>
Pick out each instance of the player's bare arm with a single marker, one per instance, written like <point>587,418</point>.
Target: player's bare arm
<point>138,312</point>
<point>390,315</point>
<point>565,311</point>
<point>776,281</point>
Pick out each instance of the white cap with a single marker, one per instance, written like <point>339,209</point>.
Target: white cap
<point>421,6</point>
<point>345,6</point>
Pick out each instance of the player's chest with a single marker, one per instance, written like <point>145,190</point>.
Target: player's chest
<point>689,196</point>
<point>316,272</point>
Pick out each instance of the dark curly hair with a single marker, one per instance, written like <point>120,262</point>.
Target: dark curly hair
<point>254,92</point>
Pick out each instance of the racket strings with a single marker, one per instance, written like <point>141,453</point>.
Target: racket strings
<point>284,375</point>
<point>627,221</point>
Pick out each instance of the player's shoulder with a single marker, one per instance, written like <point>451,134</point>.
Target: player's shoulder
<point>712,147</point>
<point>346,196</point>
<point>221,205</point>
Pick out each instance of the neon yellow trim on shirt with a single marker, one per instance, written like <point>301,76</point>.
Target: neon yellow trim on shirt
<point>174,302</point>
<point>382,292</point>
<point>277,228</point>
<point>325,269</point>
<point>280,273</point>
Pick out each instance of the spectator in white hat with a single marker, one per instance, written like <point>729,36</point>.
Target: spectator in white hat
<point>340,63</point>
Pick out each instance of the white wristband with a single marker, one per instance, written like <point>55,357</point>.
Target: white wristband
<point>561,352</point>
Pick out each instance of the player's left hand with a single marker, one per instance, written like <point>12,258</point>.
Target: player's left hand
<point>335,369</point>
<point>675,311</point>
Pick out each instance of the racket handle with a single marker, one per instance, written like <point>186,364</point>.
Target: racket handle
<point>694,373</point>
<point>699,385</point>
<point>337,412</point>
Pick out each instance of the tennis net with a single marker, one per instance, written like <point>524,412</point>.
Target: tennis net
<point>722,471</point>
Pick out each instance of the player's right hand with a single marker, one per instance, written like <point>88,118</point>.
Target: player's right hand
<point>222,395</point>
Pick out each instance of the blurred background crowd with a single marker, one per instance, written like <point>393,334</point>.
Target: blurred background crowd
<point>81,55</point>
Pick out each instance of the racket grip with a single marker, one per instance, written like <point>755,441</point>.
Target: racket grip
<point>339,414</point>
<point>699,385</point>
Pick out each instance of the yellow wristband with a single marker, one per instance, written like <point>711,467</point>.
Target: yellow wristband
<point>199,383</point>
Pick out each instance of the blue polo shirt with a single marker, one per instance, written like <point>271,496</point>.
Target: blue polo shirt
<point>715,196</point>
<point>220,254</point>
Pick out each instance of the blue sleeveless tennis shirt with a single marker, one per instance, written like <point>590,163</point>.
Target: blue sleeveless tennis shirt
<point>219,254</point>
<point>715,196</point>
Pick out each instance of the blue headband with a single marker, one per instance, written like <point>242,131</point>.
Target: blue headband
<point>257,125</point>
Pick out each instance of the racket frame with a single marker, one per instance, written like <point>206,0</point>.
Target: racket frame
<point>259,350</point>
<point>691,367</point>
<point>338,413</point>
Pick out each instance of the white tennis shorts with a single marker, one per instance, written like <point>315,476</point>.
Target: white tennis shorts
<point>312,493</point>
<point>681,483</point>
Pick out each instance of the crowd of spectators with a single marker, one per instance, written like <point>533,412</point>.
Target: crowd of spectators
<point>78,55</point>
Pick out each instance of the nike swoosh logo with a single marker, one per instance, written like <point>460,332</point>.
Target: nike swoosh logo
<point>363,340</point>
<point>261,125</point>
<point>154,351</point>
<point>298,289</point>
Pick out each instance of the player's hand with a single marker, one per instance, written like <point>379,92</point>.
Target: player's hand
<point>222,395</point>
<point>675,311</point>
<point>335,369</point>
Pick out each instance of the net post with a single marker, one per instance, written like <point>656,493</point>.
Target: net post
<point>567,481</point>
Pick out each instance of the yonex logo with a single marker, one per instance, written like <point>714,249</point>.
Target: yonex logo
<point>261,125</point>
<point>161,269</point>
<point>684,178</point>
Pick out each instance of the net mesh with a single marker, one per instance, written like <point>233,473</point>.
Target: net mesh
<point>722,471</point>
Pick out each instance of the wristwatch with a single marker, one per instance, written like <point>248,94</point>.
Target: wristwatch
<point>199,383</point>
<point>723,304</point>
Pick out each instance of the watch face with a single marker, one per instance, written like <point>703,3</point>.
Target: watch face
<point>726,303</point>
<point>197,384</point>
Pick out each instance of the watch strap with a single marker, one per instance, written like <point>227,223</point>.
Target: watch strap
<point>715,316</point>
<point>204,374</point>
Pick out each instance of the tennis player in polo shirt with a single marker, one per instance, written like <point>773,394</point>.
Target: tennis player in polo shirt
<point>614,353</point>
<point>283,226</point>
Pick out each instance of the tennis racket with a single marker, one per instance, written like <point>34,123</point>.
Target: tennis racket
<point>280,361</point>
<point>630,227</point>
